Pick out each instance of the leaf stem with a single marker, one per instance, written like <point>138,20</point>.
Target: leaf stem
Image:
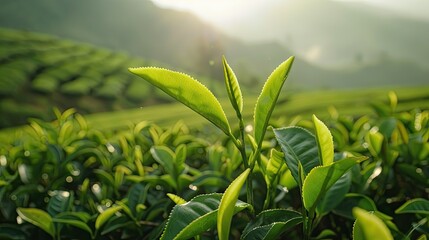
<point>241,146</point>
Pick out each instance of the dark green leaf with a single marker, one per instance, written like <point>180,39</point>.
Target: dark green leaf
<point>417,205</point>
<point>354,200</point>
<point>60,202</point>
<point>299,147</point>
<point>335,194</point>
<point>12,232</point>
<point>74,223</point>
<point>166,157</point>
<point>195,217</point>
<point>136,195</point>
<point>271,223</point>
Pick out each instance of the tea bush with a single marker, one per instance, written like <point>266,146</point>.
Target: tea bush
<point>361,177</point>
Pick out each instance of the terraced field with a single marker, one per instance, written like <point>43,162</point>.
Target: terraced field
<point>38,72</point>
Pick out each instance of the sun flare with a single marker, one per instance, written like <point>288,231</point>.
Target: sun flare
<point>216,11</point>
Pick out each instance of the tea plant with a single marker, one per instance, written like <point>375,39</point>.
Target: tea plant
<point>362,177</point>
<point>309,159</point>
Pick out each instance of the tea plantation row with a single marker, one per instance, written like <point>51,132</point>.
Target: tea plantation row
<point>38,70</point>
<point>66,180</point>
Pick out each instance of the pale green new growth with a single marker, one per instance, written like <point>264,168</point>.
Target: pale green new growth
<point>324,142</point>
<point>368,227</point>
<point>226,206</point>
<point>233,88</point>
<point>39,218</point>
<point>268,98</point>
<point>321,178</point>
<point>105,216</point>
<point>176,199</point>
<point>188,91</point>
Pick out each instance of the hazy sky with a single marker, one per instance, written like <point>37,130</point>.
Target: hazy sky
<point>222,11</point>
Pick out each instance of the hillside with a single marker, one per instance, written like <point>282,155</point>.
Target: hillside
<point>184,42</point>
<point>39,72</point>
<point>336,33</point>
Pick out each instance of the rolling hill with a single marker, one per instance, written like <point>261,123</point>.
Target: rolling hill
<point>39,72</point>
<point>184,42</point>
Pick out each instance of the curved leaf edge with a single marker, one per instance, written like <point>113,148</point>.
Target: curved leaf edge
<point>288,64</point>
<point>225,128</point>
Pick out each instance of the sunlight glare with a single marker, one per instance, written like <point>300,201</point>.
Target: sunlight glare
<point>216,11</point>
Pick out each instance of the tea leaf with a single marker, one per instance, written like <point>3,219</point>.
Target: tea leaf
<point>38,218</point>
<point>320,179</point>
<point>299,147</point>
<point>354,200</point>
<point>268,98</point>
<point>165,156</point>
<point>273,167</point>
<point>226,207</point>
<point>417,205</point>
<point>13,232</point>
<point>232,87</point>
<point>137,196</point>
<point>335,195</point>
<point>181,153</point>
<point>105,216</point>
<point>195,217</point>
<point>176,199</point>
<point>188,91</point>
<point>75,223</point>
<point>368,226</point>
<point>324,142</point>
<point>60,202</point>
<point>271,223</point>
<point>375,141</point>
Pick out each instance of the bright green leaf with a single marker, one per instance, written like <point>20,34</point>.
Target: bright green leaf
<point>188,91</point>
<point>300,148</point>
<point>324,142</point>
<point>226,207</point>
<point>38,218</point>
<point>375,141</point>
<point>271,223</point>
<point>105,216</point>
<point>12,232</point>
<point>195,217</point>
<point>368,227</point>
<point>417,205</point>
<point>181,153</point>
<point>320,179</point>
<point>176,199</point>
<point>274,165</point>
<point>268,98</point>
<point>233,88</point>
